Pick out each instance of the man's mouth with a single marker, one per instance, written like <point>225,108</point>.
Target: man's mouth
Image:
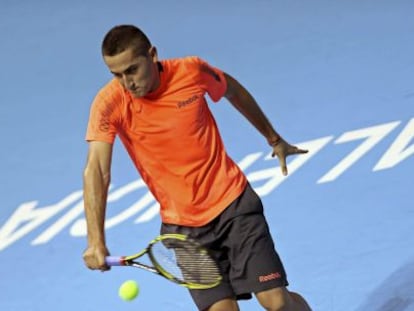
<point>136,90</point>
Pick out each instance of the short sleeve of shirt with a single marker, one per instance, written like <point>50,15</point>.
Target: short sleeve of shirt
<point>102,120</point>
<point>211,79</point>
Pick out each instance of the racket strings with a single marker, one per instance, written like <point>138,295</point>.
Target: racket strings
<point>185,261</point>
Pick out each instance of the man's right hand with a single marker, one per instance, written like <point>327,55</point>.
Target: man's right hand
<point>94,258</point>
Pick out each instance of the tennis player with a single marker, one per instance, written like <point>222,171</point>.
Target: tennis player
<point>158,110</point>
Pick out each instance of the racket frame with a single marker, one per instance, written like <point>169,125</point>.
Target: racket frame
<point>158,269</point>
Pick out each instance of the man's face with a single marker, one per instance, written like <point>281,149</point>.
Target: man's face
<point>138,74</point>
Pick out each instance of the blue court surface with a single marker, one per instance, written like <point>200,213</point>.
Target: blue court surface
<point>336,77</point>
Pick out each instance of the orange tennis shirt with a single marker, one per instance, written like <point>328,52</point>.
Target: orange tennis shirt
<point>173,140</point>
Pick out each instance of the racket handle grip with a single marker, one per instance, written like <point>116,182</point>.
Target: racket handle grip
<point>115,261</point>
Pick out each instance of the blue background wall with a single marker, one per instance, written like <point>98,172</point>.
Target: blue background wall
<point>333,76</point>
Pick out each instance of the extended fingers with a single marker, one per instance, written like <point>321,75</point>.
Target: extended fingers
<point>297,150</point>
<point>282,157</point>
<point>283,166</point>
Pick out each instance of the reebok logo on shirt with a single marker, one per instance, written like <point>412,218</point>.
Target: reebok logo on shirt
<point>188,101</point>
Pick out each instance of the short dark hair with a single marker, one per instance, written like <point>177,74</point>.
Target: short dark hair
<point>123,37</point>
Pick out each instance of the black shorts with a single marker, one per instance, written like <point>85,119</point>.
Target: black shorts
<point>240,241</point>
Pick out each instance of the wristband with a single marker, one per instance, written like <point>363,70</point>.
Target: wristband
<point>274,141</point>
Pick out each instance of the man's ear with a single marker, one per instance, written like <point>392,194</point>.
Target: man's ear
<point>153,53</point>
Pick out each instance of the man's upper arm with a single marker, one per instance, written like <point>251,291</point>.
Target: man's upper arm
<point>209,78</point>
<point>232,86</point>
<point>99,156</point>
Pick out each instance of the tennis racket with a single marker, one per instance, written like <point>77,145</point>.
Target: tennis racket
<point>178,259</point>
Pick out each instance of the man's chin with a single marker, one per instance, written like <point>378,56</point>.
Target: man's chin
<point>138,93</point>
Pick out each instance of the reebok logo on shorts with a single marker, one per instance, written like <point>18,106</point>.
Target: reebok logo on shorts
<point>269,277</point>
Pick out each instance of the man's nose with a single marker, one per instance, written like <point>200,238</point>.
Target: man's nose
<point>128,82</point>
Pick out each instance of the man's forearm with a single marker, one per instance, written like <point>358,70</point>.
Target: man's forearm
<point>95,191</point>
<point>244,102</point>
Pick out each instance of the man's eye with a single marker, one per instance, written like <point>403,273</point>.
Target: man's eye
<point>131,70</point>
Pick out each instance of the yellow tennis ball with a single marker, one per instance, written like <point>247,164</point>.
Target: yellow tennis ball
<point>129,290</point>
